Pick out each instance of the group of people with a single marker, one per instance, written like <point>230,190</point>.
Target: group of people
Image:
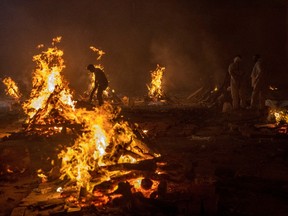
<point>238,84</point>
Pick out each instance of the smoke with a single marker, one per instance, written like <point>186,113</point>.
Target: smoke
<point>194,40</point>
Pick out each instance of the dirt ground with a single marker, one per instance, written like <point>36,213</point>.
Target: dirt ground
<point>227,162</point>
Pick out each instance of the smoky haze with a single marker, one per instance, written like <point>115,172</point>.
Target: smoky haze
<point>194,40</point>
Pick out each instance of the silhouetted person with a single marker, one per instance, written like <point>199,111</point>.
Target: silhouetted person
<point>236,75</point>
<point>258,84</point>
<point>101,83</point>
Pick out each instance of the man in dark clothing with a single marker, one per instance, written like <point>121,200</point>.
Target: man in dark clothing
<point>101,83</point>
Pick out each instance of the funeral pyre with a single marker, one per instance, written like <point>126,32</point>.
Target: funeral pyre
<point>280,117</point>
<point>155,88</point>
<point>107,151</point>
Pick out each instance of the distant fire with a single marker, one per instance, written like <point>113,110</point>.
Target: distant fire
<point>280,115</point>
<point>11,88</point>
<point>155,89</point>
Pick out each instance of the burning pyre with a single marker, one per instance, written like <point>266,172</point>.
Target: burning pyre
<point>155,89</point>
<point>50,103</point>
<point>107,149</point>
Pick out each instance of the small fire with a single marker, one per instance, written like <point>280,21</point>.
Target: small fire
<point>155,91</point>
<point>41,175</point>
<point>11,88</point>
<point>99,52</point>
<point>281,116</point>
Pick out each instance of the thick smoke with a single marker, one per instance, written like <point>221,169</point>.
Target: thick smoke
<point>194,40</point>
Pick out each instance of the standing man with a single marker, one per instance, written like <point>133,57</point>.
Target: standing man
<point>101,83</point>
<point>236,74</point>
<point>257,81</point>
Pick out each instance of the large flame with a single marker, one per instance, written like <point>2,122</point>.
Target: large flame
<point>50,92</point>
<point>106,140</point>
<point>105,143</point>
<point>11,88</point>
<point>155,90</point>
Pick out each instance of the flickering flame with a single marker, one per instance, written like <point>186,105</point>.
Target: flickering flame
<point>41,175</point>
<point>281,116</point>
<point>49,92</point>
<point>11,88</point>
<point>99,52</point>
<point>155,90</point>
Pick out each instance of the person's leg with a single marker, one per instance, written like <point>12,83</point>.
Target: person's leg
<point>100,96</point>
<point>255,97</point>
<point>91,95</point>
<point>235,96</point>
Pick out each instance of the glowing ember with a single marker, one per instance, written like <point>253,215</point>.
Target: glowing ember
<point>11,88</point>
<point>155,91</point>
<point>145,186</point>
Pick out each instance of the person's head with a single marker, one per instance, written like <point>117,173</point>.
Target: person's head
<point>91,67</point>
<point>237,58</point>
<point>256,57</point>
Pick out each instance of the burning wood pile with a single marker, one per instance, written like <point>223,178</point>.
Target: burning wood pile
<point>109,155</point>
<point>156,93</point>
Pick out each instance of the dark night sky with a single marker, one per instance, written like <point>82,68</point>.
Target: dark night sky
<point>194,40</point>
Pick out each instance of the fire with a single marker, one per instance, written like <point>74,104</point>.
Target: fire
<point>105,141</point>
<point>281,116</point>
<point>42,176</point>
<point>50,92</point>
<point>99,52</point>
<point>155,90</point>
<point>11,88</point>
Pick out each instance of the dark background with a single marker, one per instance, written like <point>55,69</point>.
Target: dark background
<point>194,40</point>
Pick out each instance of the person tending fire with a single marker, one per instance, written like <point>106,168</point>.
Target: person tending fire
<point>100,84</point>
